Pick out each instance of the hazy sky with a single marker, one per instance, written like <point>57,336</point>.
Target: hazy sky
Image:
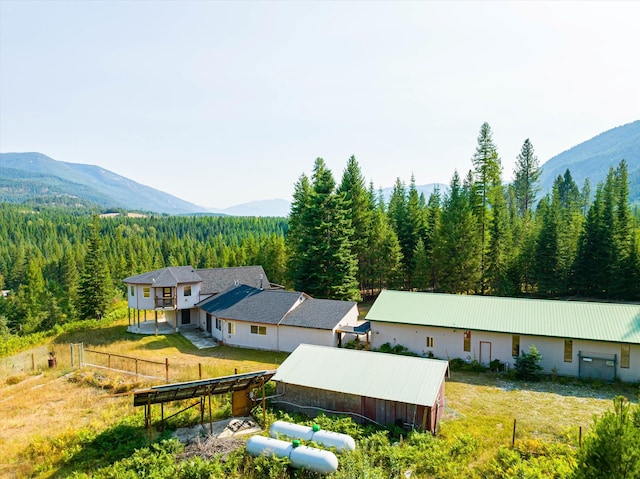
<point>222,103</point>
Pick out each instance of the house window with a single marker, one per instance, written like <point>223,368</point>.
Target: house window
<point>166,292</point>
<point>187,290</point>
<point>262,330</point>
<point>218,324</point>
<point>231,328</point>
<point>568,350</point>
<point>467,341</point>
<point>625,353</point>
<point>515,345</point>
<point>146,291</point>
<point>132,290</point>
<point>429,341</point>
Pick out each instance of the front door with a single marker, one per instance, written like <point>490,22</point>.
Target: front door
<point>208,323</point>
<point>186,316</point>
<point>485,353</point>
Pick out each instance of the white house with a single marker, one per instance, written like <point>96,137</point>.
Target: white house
<point>176,290</point>
<point>582,339</point>
<point>275,320</point>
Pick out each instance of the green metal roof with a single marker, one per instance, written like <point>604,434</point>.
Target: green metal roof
<point>613,322</point>
<point>392,377</point>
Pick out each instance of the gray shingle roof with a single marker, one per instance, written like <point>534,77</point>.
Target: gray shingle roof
<point>216,280</point>
<point>166,277</point>
<point>245,303</point>
<point>318,313</point>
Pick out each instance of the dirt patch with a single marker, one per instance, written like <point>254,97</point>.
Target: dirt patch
<point>211,447</point>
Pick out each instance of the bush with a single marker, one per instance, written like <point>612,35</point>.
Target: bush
<point>527,365</point>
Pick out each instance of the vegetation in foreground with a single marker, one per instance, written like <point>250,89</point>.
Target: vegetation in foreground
<point>105,437</point>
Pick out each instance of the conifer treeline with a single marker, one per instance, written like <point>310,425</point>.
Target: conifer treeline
<point>62,265</point>
<point>480,237</point>
<point>343,240</point>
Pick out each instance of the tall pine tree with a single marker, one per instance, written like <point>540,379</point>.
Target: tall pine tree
<point>95,283</point>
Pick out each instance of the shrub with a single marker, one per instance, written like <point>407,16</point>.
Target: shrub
<point>527,365</point>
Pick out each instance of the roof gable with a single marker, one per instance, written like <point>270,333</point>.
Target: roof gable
<point>365,373</point>
<point>245,303</point>
<point>318,313</point>
<point>216,280</point>
<point>535,317</point>
<point>166,277</point>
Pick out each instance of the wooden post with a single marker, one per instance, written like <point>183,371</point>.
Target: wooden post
<point>235,371</point>
<point>129,315</point>
<point>156,322</point>
<point>210,415</point>
<point>513,437</point>
<point>166,366</point>
<point>108,361</point>
<point>200,370</point>
<point>580,437</point>
<point>71,347</point>
<point>136,366</point>
<point>264,406</point>
<point>33,362</point>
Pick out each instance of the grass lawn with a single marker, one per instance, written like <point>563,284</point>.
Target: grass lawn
<point>39,406</point>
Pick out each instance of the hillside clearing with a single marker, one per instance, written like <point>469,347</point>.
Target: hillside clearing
<point>41,406</point>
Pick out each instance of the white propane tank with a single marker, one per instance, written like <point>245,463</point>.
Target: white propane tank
<point>342,442</point>
<point>311,458</point>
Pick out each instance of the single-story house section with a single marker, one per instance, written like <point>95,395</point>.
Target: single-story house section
<point>383,388</point>
<point>575,338</point>
<point>275,320</point>
<point>176,290</point>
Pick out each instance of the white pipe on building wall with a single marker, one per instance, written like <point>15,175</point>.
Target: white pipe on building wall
<point>311,458</point>
<point>342,442</point>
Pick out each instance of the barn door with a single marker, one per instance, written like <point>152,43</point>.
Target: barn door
<point>485,353</point>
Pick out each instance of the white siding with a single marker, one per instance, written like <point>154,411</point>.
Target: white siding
<point>243,337</point>
<point>449,343</point>
<point>137,300</point>
<point>291,337</point>
<point>188,302</point>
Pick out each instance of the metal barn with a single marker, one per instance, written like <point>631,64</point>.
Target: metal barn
<point>368,386</point>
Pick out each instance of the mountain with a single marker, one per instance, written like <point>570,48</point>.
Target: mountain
<point>593,158</point>
<point>36,177</point>
<point>274,207</point>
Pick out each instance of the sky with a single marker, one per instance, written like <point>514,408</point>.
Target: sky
<point>223,103</point>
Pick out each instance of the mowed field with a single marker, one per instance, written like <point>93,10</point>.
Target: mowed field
<point>37,406</point>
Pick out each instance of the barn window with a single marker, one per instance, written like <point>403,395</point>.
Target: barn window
<point>132,290</point>
<point>429,341</point>
<point>515,345</point>
<point>568,350</point>
<point>146,291</point>
<point>467,341</point>
<point>187,290</point>
<point>262,330</point>
<point>625,352</point>
<point>231,328</point>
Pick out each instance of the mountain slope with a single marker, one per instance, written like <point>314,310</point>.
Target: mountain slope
<point>593,158</point>
<point>34,176</point>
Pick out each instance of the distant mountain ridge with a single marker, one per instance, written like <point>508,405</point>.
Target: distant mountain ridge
<point>593,158</point>
<point>28,177</point>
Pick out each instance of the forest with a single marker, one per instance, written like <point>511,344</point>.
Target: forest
<point>342,241</point>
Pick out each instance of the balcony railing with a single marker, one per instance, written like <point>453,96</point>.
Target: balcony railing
<point>166,302</point>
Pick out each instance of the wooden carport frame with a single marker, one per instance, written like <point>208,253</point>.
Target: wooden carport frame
<point>239,385</point>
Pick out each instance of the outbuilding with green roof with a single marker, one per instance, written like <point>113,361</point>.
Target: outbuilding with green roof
<point>575,338</point>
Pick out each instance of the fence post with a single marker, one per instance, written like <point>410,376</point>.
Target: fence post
<point>136,366</point>
<point>72,361</point>
<point>81,354</point>
<point>33,362</point>
<point>200,370</point>
<point>166,366</point>
<point>580,437</point>
<point>513,438</point>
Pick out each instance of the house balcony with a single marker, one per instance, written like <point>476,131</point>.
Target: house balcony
<point>166,303</point>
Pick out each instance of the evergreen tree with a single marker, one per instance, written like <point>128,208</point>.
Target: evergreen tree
<point>325,265</point>
<point>360,209</point>
<point>95,283</point>
<point>69,280</point>
<point>527,176</point>
<point>458,245</point>
<point>487,171</point>
<point>385,253</point>
<point>430,238</point>
<point>547,257</point>
<point>499,249</point>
